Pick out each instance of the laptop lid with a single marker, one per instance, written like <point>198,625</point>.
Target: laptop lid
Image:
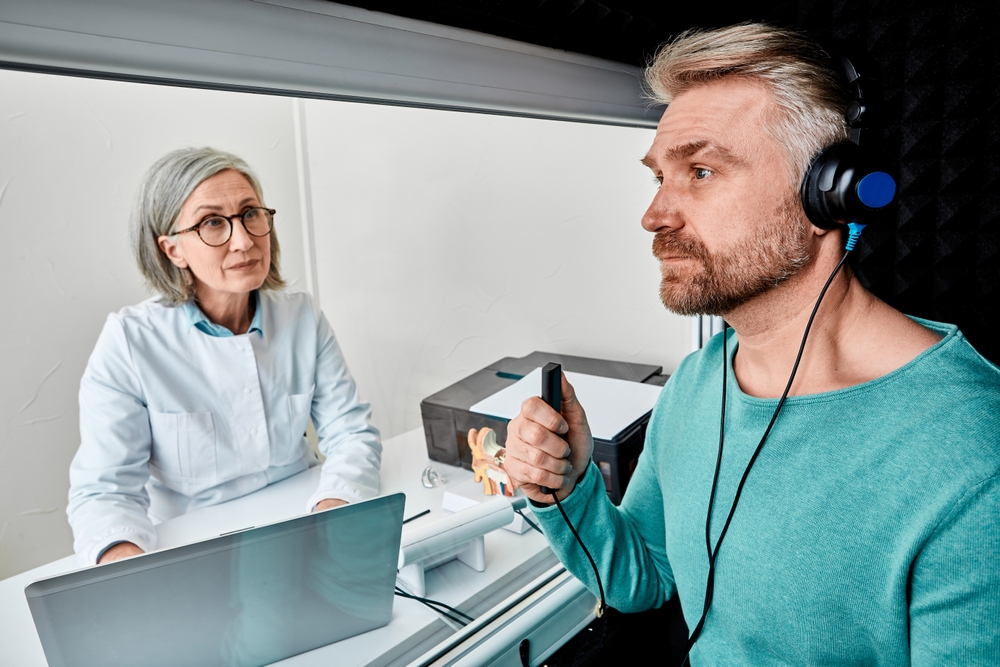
<point>246,598</point>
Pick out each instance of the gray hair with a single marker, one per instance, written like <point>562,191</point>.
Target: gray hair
<point>808,92</point>
<point>162,193</point>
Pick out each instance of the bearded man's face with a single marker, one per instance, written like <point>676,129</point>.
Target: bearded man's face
<point>727,220</point>
<point>716,283</point>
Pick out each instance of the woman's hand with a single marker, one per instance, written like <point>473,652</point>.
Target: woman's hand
<point>536,454</point>
<point>328,503</point>
<point>120,551</point>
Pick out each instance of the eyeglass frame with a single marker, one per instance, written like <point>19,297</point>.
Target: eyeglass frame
<point>229,219</point>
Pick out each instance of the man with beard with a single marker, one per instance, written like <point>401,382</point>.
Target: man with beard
<point>867,530</point>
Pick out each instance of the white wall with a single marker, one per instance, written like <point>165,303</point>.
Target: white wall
<point>443,242</point>
<point>71,154</point>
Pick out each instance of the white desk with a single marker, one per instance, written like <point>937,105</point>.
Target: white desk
<point>523,594</point>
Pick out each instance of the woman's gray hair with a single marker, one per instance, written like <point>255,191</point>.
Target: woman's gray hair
<point>809,94</point>
<point>162,193</point>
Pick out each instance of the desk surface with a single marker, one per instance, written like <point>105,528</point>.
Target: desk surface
<point>521,573</point>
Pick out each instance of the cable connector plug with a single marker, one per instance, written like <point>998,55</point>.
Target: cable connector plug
<point>854,230</point>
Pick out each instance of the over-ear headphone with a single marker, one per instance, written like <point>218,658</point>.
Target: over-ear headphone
<point>846,183</point>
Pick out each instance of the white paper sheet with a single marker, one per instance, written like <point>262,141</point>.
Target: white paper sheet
<point>611,404</point>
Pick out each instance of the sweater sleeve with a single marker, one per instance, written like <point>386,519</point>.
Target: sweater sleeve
<point>108,501</point>
<point>347,438</point>
<point>627,543</point>
<point>955,585</point>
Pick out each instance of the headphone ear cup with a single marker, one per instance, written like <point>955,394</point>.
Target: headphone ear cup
<point>819,177</point>
<point>841,186</point>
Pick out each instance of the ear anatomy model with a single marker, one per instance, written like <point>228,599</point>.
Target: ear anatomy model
<point>483,444</point>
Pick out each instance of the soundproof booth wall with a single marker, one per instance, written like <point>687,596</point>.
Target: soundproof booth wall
<point>436,242</point>
<point>938,253</point>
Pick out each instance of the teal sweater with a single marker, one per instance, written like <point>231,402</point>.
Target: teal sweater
<point>868,532</point>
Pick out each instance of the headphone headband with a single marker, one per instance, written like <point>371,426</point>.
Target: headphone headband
<point>846,183</point>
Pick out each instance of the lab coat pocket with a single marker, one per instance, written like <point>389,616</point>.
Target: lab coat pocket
<point>299,410</point>
<point>184,445</point>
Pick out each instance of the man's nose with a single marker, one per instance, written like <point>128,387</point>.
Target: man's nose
<point>662,212</point>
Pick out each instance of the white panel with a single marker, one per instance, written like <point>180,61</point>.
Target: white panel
<point>445,241</point>
<point>73,151</point>
<point>316,48</point>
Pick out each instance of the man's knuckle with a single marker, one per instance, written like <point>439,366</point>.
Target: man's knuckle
<point>532,432</point>
<point>537,457</point>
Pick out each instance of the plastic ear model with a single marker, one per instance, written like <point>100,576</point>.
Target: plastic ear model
<point>483,444</point>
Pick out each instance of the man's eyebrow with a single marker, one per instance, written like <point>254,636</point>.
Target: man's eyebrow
<point>692,148</point>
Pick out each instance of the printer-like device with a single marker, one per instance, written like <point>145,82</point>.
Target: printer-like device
<point>447,416</point>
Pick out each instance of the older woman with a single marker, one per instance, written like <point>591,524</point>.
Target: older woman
<point>203,393</point>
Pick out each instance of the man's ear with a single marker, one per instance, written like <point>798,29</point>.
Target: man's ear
<point>819,231</point>
<point>815,230</point>
<point>173,251</point>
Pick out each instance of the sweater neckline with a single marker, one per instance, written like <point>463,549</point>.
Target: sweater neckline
<point>949,334</point>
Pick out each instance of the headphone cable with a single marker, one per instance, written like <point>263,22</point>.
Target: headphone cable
<point>855,231</point>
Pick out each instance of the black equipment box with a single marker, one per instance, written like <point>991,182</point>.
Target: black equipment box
<point>447,418</point>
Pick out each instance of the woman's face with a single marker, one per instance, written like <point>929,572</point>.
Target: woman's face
<point>236,267</point>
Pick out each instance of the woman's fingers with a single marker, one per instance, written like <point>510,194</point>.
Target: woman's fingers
<point>120,551</point>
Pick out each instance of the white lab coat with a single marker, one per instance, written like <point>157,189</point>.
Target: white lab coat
<point>170,412</point>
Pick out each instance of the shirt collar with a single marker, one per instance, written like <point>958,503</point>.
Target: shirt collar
<point>198,319</point>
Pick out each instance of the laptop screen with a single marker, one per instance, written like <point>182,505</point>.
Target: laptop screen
<point>246,598</point>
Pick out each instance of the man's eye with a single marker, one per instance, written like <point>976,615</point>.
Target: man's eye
<point>701,173</point>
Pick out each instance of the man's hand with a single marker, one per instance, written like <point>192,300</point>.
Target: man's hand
<point>537,456</point>
<point>328,503</point>
<point>120,551</point>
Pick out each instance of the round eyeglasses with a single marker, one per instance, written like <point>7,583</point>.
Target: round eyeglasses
<point>216,230</point>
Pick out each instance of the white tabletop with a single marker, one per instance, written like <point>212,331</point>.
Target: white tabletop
<point>516,566</point>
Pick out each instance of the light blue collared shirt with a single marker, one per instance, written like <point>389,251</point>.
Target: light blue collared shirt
<point>200,320</point>
<point>177,413</point>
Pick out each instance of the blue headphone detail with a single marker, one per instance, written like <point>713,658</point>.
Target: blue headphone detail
<point>846,183</point>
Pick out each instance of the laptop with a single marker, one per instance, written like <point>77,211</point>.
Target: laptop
<point>247,598</point>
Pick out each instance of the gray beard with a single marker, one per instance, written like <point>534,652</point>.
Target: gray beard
<point>728,279</point>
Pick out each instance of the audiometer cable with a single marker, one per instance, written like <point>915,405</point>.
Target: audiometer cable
<point>459,617</point>
<point>552,395</point>
<point>527,520</point>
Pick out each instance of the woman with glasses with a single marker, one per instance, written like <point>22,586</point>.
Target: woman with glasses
<point>203,393</point>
